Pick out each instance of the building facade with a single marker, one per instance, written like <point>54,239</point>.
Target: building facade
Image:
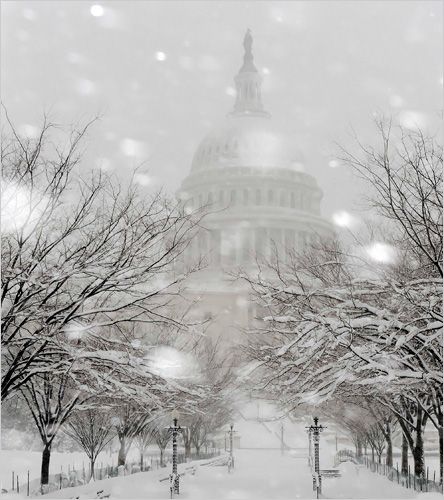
<point>247,176</point>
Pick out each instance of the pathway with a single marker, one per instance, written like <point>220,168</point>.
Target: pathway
<point>259,474</point>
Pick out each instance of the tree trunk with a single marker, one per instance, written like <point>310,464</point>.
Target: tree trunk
<point>418,450</point>
<point>389,452</point>
<point>141,460</point>
<point>373,454</point>
<point>198,451</point>
<point>93,476</point>
<point>46,456</point>
<point>440,454</point>
<point>359,450</point>
<point>379,457</point>
<point>404,456</point>
<point>187,449</point>
<point>122,452</point>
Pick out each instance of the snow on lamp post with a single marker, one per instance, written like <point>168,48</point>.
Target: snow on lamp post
<point>230,457</point>
<point>315,430</point>
<point>175,429</point>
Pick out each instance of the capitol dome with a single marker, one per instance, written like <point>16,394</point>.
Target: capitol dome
<point>244,141</point>
<point>249,179</point>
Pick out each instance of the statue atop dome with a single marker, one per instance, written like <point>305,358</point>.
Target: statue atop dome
<point>248,42</point>
<point>248,84</point>
<point>248,65</point>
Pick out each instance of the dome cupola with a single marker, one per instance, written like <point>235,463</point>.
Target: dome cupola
<point>247,137</point>
<point>248,85</point>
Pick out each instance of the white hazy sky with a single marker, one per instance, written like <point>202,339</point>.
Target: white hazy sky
<point>161,75</point>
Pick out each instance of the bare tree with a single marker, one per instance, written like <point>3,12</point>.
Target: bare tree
<point>332,319</point>
<point>92,429</point>
<point>405,172</point>
<point>130,421</point>
<point>386,421</point>
<point>81,260</point>
<point>79,255</point>
<point>50,402</point>
<point>162,436</point>
<point>376,439</point>
<point>143,439</point>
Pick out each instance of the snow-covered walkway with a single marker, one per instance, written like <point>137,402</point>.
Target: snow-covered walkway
<point>259,474</point>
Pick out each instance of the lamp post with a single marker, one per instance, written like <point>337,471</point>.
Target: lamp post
<point>315,430</point>
<point>282,438</point>
<point>231,458</point>
<point>175,429</point>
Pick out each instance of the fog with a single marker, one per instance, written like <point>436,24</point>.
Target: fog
<point>276,330</point>
<point>160,75</point>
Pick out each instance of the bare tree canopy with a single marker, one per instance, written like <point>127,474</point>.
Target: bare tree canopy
<point>80,256</point>
<point>332,320</point>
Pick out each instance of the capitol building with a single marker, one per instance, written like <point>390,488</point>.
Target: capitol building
<point>250,179</point>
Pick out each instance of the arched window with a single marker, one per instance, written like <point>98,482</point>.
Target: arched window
<point>258,197</point>
<point>270,197</point>
<point>233,196</point>
<point>210,198</point>
<point>300,200</point>
<point>292,200</point>
<point>246,197</point>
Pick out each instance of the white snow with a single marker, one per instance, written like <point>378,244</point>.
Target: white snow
<point>97,10</point>
<point>258,474</point>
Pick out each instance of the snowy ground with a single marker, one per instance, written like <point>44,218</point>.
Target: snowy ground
<point>20,462</point>
<point>259,474</point>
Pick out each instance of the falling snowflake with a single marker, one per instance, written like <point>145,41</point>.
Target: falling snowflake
<point>142,179</point>
<point>412,120</point>
<point>85,87</point>
<point>97,10</point>
<point>343,219</point>
<point>131,147</point>
<point>381,252</point>
<point>396,101</point>
<point>169,362</point>
<point>160,56</point>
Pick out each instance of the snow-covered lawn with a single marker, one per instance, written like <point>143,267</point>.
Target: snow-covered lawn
<point>259,474</point>
<point>20,462</point>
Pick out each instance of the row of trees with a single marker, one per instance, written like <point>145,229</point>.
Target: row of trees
<point>339,329</point>
<point>90,288</point>
<point>94,429</point>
